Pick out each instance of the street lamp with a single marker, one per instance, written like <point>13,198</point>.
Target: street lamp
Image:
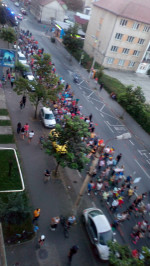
<point>93,166</point>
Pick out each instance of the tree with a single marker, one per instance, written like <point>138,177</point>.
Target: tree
<point>2,15</point>
<point>8,34</point>
<point>99,73</point>
<point>70,40</point>
<point>20,67</point>
<point>74,5</point>
<point>122,256</point>
<point>70,134</point>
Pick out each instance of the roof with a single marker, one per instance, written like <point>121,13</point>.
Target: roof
<point>46,2</point>
<point>81,18</point>
<point>137,10</point>
<point>101,223</point>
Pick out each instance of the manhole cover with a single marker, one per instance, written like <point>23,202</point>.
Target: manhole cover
<point>43,254</point>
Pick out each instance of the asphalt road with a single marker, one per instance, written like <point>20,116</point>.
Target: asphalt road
<point>136,158</point>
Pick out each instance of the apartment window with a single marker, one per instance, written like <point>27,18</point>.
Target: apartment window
<point>146,28</point>
<point>123,22</point>
<point>114,48</point>
<point>125,51</point>
<point>121,62</point>
<point>110,60</point>
<point>141,41</point>
<point>130,39</point>
<point>118,36</point>
<point>135,26</point>
<point>131,64</point>
<point>136,53</point>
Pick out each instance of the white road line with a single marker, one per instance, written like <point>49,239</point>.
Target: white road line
<point>96,108</point>
<point>93,204</point>
<point>102,115</point>
<point>86,88</point>
<point>108,126</point>
<point>142,168</point>
<point>148,161</point>
<point>131,142</point>
<point>90,94</point>
<point>80,82</point>
<point>110,116</point>
<point>141,151</point>
<point>102,107</point>
<point>96,100</point>
<point>79,174</point>
<point>115,125</point>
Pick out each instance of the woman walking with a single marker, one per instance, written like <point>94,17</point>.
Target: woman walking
<point>19,127</point>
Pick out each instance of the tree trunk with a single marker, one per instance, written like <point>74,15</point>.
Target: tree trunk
<point>56,169</point>
<point>36,106</point>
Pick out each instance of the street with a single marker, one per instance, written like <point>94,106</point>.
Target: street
<point>136,158</point>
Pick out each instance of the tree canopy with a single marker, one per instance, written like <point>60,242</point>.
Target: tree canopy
<point>8,35</point>
<point>71,41</point>
<point>71,134</point>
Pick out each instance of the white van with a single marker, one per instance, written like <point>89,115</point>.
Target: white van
<point>47,117</point>
<point>22,59</point>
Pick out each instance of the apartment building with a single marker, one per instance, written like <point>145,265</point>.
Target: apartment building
<point>118,34</point>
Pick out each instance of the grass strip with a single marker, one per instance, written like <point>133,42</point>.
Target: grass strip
<point>5,123</point>
<point>6,139</point>
<point>4,112</point>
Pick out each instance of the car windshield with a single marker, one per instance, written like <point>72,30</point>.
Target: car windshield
<point>105,237</point>
<point>49,116</point>
<point>95,213</point>
<point>22,58</point>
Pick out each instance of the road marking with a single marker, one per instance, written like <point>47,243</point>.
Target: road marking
<point>142,168</point>
<point>102,107</point>
<point>141,151</point>
<point>148,161</point>
<point>96,108</point>
<point>93,204</point>
<point>108,126</point>
<point>131,142</point>
<point>96,100</point>
<point>90,94</point>
<point>80,82</point>
<point>102,115</point>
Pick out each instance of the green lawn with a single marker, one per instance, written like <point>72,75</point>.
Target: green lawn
<point>5,123</point>
<point>5,139</point>
<point>7,182</point>
<point>3,112</point>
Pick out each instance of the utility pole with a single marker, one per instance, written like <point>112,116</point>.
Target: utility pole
<point>18,30</point>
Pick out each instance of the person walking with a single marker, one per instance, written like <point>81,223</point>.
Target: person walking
<point>26,129</point>
<point>101,86</point>
<point>118,158</point>
<point>90,117</point>
<point>41,241</point>
<point>24,100</point>
<point>30,136</point>
<point>73,250</point>
<point>12,79</point>
<point>21,104</point>
<point>22,132</point>
<point>36,215</point>
<point>19,127</point>
<point>54,223</point>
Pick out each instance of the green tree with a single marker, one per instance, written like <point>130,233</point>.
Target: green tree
<point>22,86</point>
<point>70,134</point>
<point>20,67</point>
<point>121,256</point>
<point>2,15</point>
<point>99,73</point>
<point>8,35</point>
<point>70,40</point>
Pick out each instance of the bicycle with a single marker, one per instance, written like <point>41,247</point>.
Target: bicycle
<point>65,225</point>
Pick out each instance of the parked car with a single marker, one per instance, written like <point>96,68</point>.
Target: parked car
<point>47,117</point>
<point>17,4</point>
<point>58,147</point>
<point>99,230</point>
<point>22,58</point>
<point>19,49</point>
<point>20,17</point>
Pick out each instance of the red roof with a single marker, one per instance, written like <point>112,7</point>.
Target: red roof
<point>138,10</point>
<point>80,20</point>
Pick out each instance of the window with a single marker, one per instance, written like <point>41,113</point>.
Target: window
<point>92,228</point>
<point>121,62</point>
<point>146,28</point>
<point>118,36</point>
<point>141,41</point>
<point>114,48</point>
<point>130,39</point>
<point>131,64</point>
<point>135,26</point>
<point>123,22</point>
<point>135,52</point>
<point>125,51</point>
<point>110,60</point>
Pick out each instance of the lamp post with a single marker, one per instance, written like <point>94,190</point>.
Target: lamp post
<point>92,167</point>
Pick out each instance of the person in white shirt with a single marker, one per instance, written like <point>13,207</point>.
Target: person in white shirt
<point>98,187</point>
<point>30,136</point>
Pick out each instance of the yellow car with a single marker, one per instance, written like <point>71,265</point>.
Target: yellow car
<point>59,148</point>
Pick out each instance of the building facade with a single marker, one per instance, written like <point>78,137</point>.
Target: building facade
<point>47,10</point>
<point>118,34</point>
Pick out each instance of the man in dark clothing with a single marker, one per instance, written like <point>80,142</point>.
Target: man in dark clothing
<point>24,100</point>
<point>72,251</point>
<point>101,86</point>
<point>118,158</point>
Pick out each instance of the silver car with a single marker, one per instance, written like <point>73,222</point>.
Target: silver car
<point>99,230</point>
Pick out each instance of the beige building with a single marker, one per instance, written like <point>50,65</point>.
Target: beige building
<point>118,34</point>
<point>48,10</point>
